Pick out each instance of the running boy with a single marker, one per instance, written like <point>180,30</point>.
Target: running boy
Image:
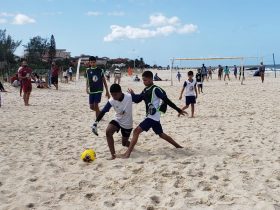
<point>122,104</point>
<point>190,92</point>
<point>198,78</point>
<point>94,86</point>
<point>152,96</point>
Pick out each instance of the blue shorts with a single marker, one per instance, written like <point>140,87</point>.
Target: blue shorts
<point>95,98</point>
<point>149,123</point>
<point>190,100</point>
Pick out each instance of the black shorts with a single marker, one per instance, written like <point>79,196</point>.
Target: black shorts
<point>190,100</point>
<point>125,132</point>
<point>54,80</point>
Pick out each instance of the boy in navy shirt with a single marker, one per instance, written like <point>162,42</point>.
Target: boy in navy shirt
<point>94,86</point>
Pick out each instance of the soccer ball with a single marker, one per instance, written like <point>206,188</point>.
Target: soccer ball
<point>88,155</point>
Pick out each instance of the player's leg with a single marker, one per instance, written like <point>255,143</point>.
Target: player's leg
<point>192,109</point>
<point>110,130</point>
<point>136,132</point>
<point>125,136</point>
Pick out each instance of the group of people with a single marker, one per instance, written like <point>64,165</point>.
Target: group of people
<point>25,77</point>
<point>154,97</point>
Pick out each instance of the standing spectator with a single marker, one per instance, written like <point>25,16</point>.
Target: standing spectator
<point>179,76</point>
<point>70,72</point>
<point>65,76</point>
<point>235,71</point>
<point>198,78</point>
<point>242,72</point>
<point>117,76</point>
<point>55,72</point>
<point>226,71</point>
<point>262,70</point>
<point>25,74</point>
<point>204,72</point>
<point>210,72</point>
<point>220,72</point>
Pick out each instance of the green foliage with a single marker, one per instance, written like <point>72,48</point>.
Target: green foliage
<point>7,47</point>
<point>35,49</point>
<point>52,49</point>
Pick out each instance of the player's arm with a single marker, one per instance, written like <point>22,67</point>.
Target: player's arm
<point>87,87</point>
<point>185,84</point>
<point>136,98</point>
<point>163,97</point>
<point>195,88</point>
<point>105,109</point>
<point>106,87</point>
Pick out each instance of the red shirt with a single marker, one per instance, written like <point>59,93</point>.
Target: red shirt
<point>25,72</point>
<point>55,71</point>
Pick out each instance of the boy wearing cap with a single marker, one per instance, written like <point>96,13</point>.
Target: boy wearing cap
<point>94,85</point>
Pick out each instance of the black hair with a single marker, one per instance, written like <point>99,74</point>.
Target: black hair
<point>92,58</point>
<point>148,74</point>
<point>115,88</point>
<point>190,73</point>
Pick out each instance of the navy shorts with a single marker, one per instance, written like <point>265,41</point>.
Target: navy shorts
<point>190,100</point>
<point>125,132</point>
<point>54,80</point>
<point>95,98</point>
<point>149,123</point>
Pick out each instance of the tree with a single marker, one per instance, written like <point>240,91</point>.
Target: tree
<point>7,47</point>
<point>52,49</point>
<point>36,49</point>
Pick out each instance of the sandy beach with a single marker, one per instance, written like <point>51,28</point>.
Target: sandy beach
<point>230,159</point>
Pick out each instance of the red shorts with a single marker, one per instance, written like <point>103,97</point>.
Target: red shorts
<point>27,88</point>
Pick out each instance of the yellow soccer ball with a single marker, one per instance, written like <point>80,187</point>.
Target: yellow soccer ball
<point>88,155</point>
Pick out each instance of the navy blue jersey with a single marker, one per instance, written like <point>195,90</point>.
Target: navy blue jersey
<point>95,79</point>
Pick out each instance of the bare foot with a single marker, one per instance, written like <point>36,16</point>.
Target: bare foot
<point>179,146</point>
<point>112,158</point>
<point>123,156</point>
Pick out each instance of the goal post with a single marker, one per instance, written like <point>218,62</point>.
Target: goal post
<point>240,58</point>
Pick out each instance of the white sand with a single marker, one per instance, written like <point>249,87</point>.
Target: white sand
<point>231,158</point>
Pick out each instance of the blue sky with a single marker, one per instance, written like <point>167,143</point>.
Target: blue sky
<point>156,30</point>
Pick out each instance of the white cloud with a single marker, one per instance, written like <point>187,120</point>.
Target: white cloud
<point>6,14</point>
<point>93,13</point>
<point>159,25</point>
<point>161,20</point>
<point>116,14</point>
<point>3,21</point>
<point>21,19</point>
<point>188,28</point>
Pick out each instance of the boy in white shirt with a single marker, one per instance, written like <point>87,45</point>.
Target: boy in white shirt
<point>122,104</point>
<point>190,92</point>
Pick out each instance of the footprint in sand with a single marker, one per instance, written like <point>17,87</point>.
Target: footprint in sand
<point>30,205</point>
<point>109,203</point>
<point>155,199</point>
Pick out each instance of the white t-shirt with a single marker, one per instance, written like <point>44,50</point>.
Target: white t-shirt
<point>123,111</point>
<point>190,88</point>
